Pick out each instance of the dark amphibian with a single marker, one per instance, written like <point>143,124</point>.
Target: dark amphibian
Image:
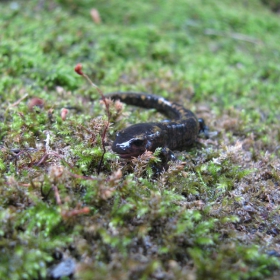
<point>182,130</point>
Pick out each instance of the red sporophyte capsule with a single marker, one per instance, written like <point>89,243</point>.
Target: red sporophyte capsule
<point>78,69</point>
<point>95,16</point>
<point>35,102</point>
<point>64,113</point>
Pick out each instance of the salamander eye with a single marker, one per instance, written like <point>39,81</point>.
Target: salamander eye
<point>137,142</point>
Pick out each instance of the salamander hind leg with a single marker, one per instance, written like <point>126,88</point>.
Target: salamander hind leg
<point>203,128</point>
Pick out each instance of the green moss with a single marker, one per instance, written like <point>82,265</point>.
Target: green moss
<point>32,235</point>
<point>212,215</point>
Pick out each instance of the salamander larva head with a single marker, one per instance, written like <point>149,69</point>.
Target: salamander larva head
<point>134,140</point>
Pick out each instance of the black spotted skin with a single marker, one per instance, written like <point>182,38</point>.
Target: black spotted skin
<point>181,131</point>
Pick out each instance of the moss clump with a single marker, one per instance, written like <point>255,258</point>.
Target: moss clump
<point>211,215</point>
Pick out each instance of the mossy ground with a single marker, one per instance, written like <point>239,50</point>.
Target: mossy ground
<point>214,216</point>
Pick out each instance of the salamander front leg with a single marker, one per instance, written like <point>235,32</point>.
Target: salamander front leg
<point>166,155</point>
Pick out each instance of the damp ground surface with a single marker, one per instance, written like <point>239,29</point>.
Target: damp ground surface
<point>214,214</point>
